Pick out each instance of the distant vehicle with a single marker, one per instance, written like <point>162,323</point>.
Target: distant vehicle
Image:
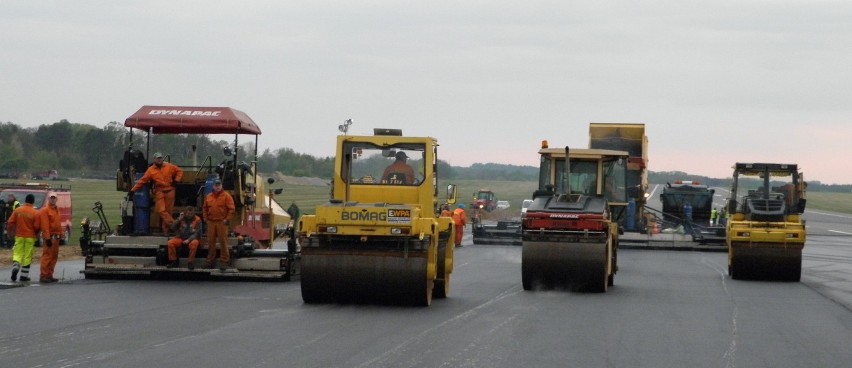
<point>525,205</point>
<point>46,175</point>
<point>484,227</point>
<point>484,199</point>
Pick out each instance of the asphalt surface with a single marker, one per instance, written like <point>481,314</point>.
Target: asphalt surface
<point>667,309</point>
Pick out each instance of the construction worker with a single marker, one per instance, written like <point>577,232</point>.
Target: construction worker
<point>714,215</point>
<point>163,175</point>
<point>188,229</point>
<point>24,224</point>
<point>460,219</point>
<point>218,208</point>
<point>51,232</point>
<point>9,205</point>
<point>12,202</point>
<point>445,210</point>
<point>399,172</point>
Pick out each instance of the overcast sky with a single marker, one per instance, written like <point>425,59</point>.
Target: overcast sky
<point>715,82</point>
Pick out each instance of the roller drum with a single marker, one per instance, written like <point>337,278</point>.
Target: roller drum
<point>766,262</point>
<point>384,277</point>
<point>564,265</point>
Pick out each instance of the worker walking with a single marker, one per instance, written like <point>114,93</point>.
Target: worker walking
<point>714,217</point>
<point>163,175</point>
<point>218,208</point>
<point>460,219</point>
<point>24,224</point>
<point>51,232</point>
<point>188,230</point>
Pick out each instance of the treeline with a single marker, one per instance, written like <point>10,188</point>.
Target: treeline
<point>87,151</point>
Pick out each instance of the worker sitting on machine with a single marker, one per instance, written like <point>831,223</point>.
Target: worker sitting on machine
<point>188,230</point>
<point>399,172</point>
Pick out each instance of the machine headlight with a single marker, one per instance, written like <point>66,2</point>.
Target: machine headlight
<point>744,234</point>
<point>328,229</point>
<point>400,231</point>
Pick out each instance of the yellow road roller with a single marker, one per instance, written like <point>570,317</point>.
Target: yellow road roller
<point>570,231</point>
<point>379,239</point>
<point>766,233</point>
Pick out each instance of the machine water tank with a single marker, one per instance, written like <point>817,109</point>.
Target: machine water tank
<point>142,209</point>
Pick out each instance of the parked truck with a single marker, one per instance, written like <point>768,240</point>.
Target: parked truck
<point>380,239</point>
<point>570,230</point>
<point>261,244</point>
<point>766,233</point>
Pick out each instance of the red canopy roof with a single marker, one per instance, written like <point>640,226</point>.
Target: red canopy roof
<point>192,120</point>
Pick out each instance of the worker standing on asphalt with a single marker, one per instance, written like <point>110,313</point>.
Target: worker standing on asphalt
<point>460,219</point>
<point>714,216</point>
<point>51,232</point>
<point>163,175</point>
<point>445,210</point>
<point>187,228</point>
<point>218,208</point>
<point>10,205</point>
<point>24,224</point>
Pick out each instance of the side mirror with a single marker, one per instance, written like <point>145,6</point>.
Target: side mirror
<point>228,152</point>
<point>451,193</point>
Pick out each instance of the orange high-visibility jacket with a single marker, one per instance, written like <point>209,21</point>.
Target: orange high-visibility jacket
<point>459,217</point>
<point>51,223</point>
<point>162,177</point>
<point>218,206</point>
<point>24,222</point>
<point>398,167</point>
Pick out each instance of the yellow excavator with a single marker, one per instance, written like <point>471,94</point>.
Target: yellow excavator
<point>379,239</point>
<point>570,231</point>
<point>766,233</point>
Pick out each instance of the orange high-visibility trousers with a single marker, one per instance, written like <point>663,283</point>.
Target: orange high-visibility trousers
<point>49,255</point>
<point>176,242</point>
<point>164,204</point>
<point>459,233</point>
<point>217,231</point>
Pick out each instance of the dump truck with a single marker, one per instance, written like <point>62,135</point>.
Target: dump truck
<point>630,138</point>
<point>262,244</point>
<point>570,230</point>
<point>380,238</point>
<point>766,233</point>
<point>700,198</point>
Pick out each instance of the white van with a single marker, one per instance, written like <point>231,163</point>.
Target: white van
<point>524,205</point>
